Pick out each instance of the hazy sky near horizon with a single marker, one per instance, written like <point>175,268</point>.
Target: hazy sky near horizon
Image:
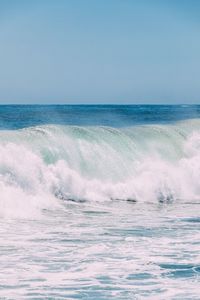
<point>100,51</point>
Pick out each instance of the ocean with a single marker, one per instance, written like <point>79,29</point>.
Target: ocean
<point>100,202</point>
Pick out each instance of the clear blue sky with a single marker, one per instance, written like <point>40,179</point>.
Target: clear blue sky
<point>100,51</point>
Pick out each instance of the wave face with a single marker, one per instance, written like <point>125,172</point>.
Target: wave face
<point>42,166</point>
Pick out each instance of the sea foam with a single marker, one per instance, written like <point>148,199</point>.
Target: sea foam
<point>42,166</point>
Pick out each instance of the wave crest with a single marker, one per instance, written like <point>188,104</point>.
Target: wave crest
<point>42,166</point>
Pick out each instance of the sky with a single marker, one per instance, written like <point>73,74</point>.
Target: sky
<point>99,51</point>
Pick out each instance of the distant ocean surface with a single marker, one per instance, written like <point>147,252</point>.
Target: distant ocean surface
<point>100,202</point>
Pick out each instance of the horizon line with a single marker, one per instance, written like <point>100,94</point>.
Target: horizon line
<point>99,104</point>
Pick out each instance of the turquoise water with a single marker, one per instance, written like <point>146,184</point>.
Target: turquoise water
<point>99,202</point>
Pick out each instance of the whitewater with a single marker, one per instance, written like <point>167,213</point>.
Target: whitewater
<point>92,210</point>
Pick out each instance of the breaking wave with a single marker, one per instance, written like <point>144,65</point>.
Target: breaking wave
<point>42,166</point>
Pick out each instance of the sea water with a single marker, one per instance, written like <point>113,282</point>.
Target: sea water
<point>100,202</point>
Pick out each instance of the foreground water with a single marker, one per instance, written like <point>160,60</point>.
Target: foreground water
<point>99,202</point>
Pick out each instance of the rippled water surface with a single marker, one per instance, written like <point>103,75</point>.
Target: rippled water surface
<point>117,250</point>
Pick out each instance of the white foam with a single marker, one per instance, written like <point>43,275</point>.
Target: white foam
<point>148,163</point>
